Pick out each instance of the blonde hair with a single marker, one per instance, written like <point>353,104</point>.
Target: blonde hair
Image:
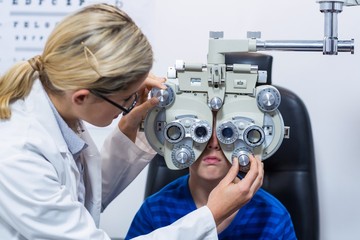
<point>98,48</point>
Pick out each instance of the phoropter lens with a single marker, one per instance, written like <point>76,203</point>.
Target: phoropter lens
<point>227,132</point>
<point>201,131</point>
<point>254,136</point>
<point>173,133</point>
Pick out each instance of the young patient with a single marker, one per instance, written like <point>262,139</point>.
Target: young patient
<point>264,217</point>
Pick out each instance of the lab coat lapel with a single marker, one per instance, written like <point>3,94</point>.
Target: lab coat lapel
<point>92,175</point>
<point>60,157</point>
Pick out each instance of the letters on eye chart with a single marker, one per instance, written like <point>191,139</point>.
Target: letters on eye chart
<point>25,25</point>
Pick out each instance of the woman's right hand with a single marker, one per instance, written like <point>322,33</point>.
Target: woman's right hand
<point>233,193</point>
<point>129,124</point>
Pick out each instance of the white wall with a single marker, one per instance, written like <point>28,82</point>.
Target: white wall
<point>329,86</point>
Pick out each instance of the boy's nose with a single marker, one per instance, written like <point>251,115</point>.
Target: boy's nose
<point>213,142</point>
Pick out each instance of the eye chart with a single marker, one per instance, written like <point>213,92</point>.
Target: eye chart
<point>25,24</point>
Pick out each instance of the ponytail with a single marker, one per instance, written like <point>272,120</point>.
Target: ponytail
<point>17,83</point>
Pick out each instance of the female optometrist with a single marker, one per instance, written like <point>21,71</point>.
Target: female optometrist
<point>53,181</point>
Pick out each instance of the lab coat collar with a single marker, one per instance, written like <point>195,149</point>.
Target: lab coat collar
<point>73,141</point>
<point>37,104</point>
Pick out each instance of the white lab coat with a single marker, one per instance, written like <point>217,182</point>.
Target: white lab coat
<point>38,192</point>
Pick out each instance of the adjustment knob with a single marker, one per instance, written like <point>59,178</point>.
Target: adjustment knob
<point>243,159</point>
<point>165,96</point>
<point>268,99</point>
<point>242,155</point>
<point>182,156</point>
<point>215,103</point>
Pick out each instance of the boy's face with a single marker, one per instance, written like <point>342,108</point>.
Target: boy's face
<point>212,163</point>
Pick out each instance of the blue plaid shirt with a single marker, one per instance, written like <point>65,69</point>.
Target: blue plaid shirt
<point>264,217</point>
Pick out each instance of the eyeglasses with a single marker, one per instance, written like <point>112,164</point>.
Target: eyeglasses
<point>125,110</point>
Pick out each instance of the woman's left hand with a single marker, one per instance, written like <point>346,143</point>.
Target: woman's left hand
<point>129,124</point>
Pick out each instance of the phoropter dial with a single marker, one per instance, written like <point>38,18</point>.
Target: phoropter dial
<point>166,96</point>
<point>268,99</point>
<point>182,156</point>
<point>242,155</point>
